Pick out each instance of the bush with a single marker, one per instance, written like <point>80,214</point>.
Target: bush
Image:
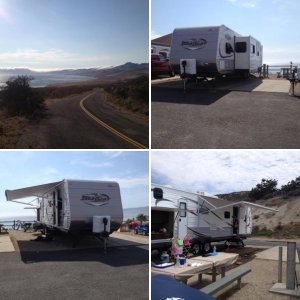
<point>291,185</point>
<point>18,98</point>
<point>267,186</point>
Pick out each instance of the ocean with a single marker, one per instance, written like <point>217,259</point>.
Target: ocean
<point>42,80</point>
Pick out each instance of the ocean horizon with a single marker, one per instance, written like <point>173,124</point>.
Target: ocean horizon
<point>128,213</point>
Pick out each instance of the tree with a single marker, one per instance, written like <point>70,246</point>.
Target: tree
<point>19,98</point>
<point>267,186</point>
<point>141,218</point>
<point>291,185</point>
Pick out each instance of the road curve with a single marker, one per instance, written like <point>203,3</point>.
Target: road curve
<point>106,126</point>
<point>68,127</point>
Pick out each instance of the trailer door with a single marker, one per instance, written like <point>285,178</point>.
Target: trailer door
<point>242,53</point>
<point>182,219</point>
<point>245,226</point>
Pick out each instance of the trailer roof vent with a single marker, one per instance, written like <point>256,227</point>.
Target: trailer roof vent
<point>158,193</point>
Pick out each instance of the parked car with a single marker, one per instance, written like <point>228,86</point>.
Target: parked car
<point>142,229</point>
<point>160,66</point>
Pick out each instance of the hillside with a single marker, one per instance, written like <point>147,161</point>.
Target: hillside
<point>126,69</point>
<point>282,224</point>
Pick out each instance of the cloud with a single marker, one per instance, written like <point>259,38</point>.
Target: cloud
<point>245,4</point>
<point>155,35</point>
<point>50,171</point>
<point>248,4</point>
<point>281,55</point>
<point>223,171</point>
<point>52,57</point>
<point>90,164</point>
<point>129,182</point>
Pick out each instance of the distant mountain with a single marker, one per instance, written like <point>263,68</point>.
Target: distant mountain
<point>127,68</point>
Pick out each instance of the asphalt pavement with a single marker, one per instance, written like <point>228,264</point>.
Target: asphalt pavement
<point>121,274</point>
<point>214,118</point>
<point>67,126</point>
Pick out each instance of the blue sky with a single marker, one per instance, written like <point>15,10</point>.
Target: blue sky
<point>217,172</point>
<point>57,34</point>
<point>21,169</point>
<point>275,23</point>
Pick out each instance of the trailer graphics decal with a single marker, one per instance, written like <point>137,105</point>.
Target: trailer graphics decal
<point>95,199</point>
<point>193,44</point>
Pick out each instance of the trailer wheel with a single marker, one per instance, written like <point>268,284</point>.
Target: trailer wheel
<point>196,248</point>
<point>206,247</point>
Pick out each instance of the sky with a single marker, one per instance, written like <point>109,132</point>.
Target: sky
<point>21,169</point>
<point>218,172</point>
<point>59,34</point>
<point>275,23</point>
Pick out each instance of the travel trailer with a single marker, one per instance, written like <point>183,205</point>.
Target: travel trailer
<point>75,206</point>
<point>203,219</point>
<point>213,51</point>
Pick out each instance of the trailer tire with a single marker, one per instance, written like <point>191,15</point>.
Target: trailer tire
<point>206,247</point>
<point>196,248</point>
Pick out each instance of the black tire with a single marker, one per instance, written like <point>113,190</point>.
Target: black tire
<point>206,247</point>
<point>196,248</point>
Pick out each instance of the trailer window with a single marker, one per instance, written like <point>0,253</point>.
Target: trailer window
<point>240,47</point>
<point>182,209</point>
<point>227,214</point>
<point>253,48</point>
<point>228,48</point>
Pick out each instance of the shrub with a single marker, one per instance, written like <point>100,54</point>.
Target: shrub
<point>267,186</point>
<point>18,98</point>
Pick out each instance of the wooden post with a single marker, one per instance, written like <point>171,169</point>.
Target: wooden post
<point>214,274</point>
<point>223,270</point>
<point>291,265</point>
<point>280,265</point>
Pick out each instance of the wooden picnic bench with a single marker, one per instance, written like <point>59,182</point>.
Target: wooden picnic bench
<point>225,281</point>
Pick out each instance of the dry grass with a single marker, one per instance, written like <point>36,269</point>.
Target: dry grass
<point>138,108</point>
<point>11,128</point>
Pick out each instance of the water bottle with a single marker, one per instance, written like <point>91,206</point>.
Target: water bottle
<point>164,257</point>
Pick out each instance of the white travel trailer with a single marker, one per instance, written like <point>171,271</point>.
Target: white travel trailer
<point>74,205</point>
<point>175,213</point>
<point>213,51</point>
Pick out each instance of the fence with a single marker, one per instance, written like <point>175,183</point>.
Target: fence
<point>281,71</point>
<point>16,225</point>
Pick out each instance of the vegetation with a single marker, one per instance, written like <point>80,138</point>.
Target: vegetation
<point>19,99</point>
<point>291,230</point>
<point>266,187</point>
<point>291,185</point>
<point>141,218</point>
<point>132,94</point>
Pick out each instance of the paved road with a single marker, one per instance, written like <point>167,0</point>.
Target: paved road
<point>121,274</point>
<point>69,127</point>
<point>223,119</point>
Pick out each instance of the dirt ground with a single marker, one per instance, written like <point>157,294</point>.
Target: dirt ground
<point>255,285</point>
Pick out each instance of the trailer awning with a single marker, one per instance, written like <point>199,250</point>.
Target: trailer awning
<point>33,191</point>
<point>245,203</point>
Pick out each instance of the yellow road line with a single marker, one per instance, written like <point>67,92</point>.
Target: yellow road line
<point>109,128</point>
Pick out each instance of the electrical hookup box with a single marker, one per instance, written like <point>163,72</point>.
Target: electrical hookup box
<point>99,224</point>
<point>188,66</point>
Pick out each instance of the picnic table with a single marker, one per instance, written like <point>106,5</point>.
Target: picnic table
<point>201,265</point>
